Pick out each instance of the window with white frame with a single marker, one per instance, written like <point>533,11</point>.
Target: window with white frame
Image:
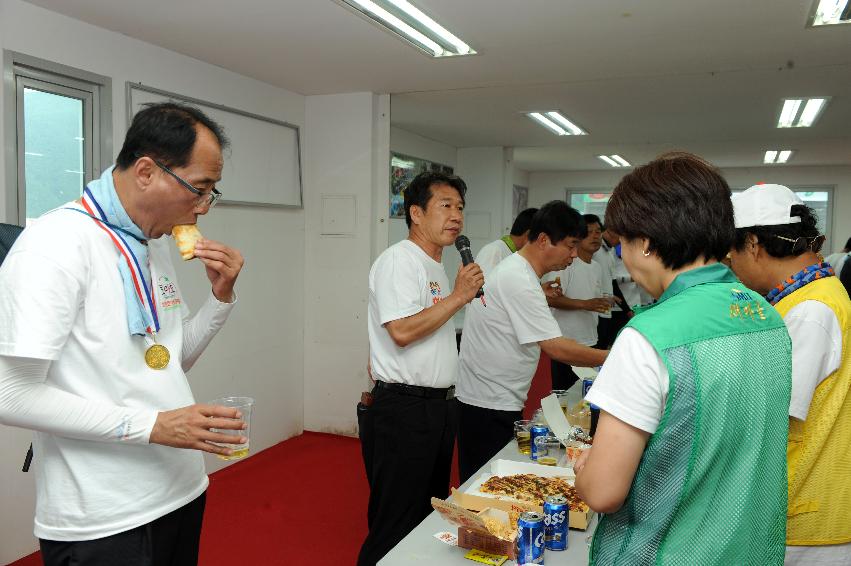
<point>59,122</point>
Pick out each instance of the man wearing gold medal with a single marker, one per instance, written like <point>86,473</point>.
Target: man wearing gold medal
<point>94,342</point>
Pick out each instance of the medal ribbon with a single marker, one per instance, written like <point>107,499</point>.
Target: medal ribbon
<point>94,210</point>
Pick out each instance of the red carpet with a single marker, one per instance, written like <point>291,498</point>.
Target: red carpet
<point>302,501</point>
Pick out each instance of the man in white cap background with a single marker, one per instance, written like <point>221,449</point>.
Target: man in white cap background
<point>776,253</point>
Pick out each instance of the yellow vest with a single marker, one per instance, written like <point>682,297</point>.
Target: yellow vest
<point>819,449</point>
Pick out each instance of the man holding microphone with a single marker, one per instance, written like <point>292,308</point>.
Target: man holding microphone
<point>408,432</point>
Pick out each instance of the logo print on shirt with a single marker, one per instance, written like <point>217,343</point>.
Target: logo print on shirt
<point>434,289</point>
<point>168,293</point>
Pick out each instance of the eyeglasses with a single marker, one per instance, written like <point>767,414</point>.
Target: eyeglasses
<point>802,243</point>
<point>209,198</point>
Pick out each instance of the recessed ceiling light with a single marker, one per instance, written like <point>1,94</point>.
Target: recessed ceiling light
<point>830,12</point>
<point>615,160</point>
<point>777,156</point>
<point>412,25</point>
<point>801,112</point>
<point>557,123</point>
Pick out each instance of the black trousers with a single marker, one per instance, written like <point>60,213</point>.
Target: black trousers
<point>562,374</point>
<point>481,434</point>
<point>608,328</point>
<point>171,540</point>
<point>407,445</point>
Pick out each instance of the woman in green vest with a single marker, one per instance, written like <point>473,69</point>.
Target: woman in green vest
<point>689,457</point>
<point>777,253</point>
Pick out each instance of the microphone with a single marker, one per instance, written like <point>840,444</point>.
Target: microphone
<point>462,242</point>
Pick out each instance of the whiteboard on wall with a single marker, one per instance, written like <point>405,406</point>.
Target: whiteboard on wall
<point>263,163</point>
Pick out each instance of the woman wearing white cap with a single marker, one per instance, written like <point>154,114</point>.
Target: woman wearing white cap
<point>777,253</point>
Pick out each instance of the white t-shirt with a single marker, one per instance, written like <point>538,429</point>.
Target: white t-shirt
<point>633,293</point>
<point>63,301</point>
<point>606,260</point>
<point>633,383</point>
<point>490,256</point>
<point>837,260</point>
<point>499,346</point>
<point>816,351</point>
<point>580,280</point>
<point>403,281</point>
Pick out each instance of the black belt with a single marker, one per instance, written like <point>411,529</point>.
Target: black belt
<point>417,390</point>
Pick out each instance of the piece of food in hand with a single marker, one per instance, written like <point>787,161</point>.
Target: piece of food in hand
<point>186,236</point>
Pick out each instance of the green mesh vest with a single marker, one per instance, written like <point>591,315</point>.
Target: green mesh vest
<point>711,485</point>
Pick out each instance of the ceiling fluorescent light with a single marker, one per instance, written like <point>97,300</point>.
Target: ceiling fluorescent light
<point>614,160</point>
<point>790,110</point>
<point>461,48</point>
<point>811,112</point>
<point>830,12</point>
<point>801,112</point>
<point>777,156</point>
<point>411,24</point>
<point>572,128</point>
<point>547,123</point>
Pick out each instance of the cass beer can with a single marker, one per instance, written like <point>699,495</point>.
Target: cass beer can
<point>555,522</point>
<point>586,385</point>
<point>530,538</point>
<point>534,432</point>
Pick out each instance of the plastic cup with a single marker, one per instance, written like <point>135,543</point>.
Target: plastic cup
<point>549,449</point>
<point>573,450</point>
<point>245,406</point>
<point>609,298</point>
<point>522,436</point>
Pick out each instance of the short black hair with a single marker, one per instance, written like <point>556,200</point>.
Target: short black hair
<point>523,222</point>
<point>418,192</point>
<point>165,132</point>
<point>780,241</point>
<point>848,245</point>
<point>558,220</point>
<point>680,203</point>
<point>592,219</point>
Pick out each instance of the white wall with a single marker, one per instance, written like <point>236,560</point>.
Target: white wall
<point>347,132</point>
<point>521,178</point>
<point>405,142</point>
<point>260,352</point>
<point>546,186</point>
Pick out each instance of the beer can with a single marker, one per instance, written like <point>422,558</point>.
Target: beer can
<point>534,432</point>
<point>530,538</point>
<point>586,385</point>
<point>556,518</point>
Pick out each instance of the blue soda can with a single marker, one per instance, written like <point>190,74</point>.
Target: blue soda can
<point>556,518</point>
<point>586,385</point>
<point>530,538</point>
<point>534,432</point>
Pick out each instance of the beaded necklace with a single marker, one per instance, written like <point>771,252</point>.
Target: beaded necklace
<point>798,280</point>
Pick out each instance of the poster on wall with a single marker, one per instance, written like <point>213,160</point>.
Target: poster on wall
<point>520,201</point>
<point>403,169</point>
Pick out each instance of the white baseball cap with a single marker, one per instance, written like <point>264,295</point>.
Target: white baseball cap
<point>765,205</point>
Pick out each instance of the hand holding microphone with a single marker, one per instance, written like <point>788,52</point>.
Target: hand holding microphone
<point>470,278</point>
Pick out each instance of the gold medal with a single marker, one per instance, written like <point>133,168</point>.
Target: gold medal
<point>157,356</point>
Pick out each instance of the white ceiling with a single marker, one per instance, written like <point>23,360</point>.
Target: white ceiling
<point>641,77</point>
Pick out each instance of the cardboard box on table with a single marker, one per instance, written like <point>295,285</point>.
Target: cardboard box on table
<point>474,499</point>
<point>472,530</point>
